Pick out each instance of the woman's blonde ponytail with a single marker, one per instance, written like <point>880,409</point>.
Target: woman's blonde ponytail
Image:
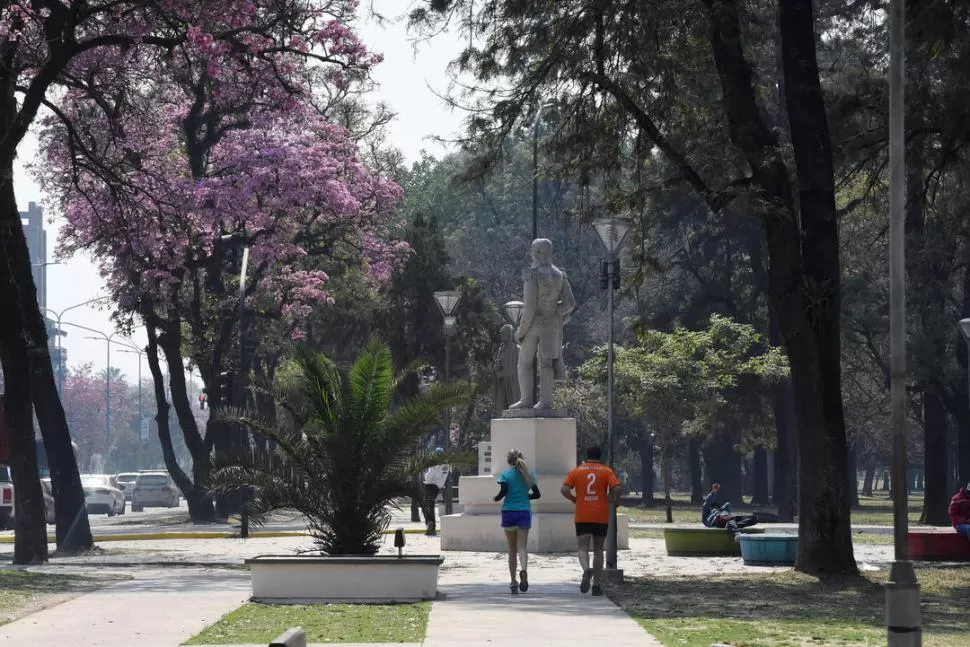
<point>516,460</point>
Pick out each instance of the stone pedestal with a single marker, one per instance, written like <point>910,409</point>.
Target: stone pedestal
<point>549,446</point>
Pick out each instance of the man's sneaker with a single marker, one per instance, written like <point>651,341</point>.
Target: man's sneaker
<point>597,590</point>
<point>584,583</point>
<point>514,588</point>
<point>523,581</point>
<point>431,533</point>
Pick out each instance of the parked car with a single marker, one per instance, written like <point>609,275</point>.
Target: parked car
<point>102,494</point>
<point>45,485</point>
<point>154,490</point>
<point>6,498</point>
<point>126,481</point>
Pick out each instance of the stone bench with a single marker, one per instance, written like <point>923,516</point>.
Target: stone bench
<point>769,550</point>
<point>704,542</point>
<point>938,545</point>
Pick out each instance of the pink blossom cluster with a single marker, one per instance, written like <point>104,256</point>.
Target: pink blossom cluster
<point>167,151</point>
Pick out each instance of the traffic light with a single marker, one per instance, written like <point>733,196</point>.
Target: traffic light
<point>604,275</point>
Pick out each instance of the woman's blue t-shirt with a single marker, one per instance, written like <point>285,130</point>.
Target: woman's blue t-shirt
<point>517,497</point>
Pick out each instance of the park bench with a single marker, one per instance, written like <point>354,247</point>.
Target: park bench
<point>769,550</point>
<point>939,545</point>
<point>703,542</point>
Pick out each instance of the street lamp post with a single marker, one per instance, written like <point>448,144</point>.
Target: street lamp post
<point>611,232</point>
<point>447,301</point>
<point>107,381</point>
<point>240,239</point>
<point>60,348</point>
<point>902,590</point>
<point>134,350</point>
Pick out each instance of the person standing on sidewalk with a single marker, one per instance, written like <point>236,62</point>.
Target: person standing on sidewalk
<point>435,478</point>
<point>517,486</point>
<point>594,485</point>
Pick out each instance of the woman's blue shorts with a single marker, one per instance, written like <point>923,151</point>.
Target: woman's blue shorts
<point>516,519</point>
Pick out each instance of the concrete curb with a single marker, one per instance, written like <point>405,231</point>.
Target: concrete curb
<point>197,534</point>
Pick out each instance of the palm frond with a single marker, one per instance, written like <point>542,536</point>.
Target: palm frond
<point>352,453</point>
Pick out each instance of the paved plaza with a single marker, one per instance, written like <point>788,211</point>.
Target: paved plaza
<point>165,606</point>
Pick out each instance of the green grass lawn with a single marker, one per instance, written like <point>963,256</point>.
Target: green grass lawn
<point>876,510</point>
<point>330,623</point>
<point>23,592</point>
<point>788,609</point>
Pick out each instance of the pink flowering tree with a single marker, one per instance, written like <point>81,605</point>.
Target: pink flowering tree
<point>48,42</point>
<point>83,397</point>
<point>158,159</point>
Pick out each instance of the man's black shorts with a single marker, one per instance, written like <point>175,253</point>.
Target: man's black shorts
<point>595,529</point>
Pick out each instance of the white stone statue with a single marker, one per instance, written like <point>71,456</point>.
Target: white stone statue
<point>549,302</point>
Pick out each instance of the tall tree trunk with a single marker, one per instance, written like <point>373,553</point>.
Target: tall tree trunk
<point>812,329</point>
<point>30,527</point>
<point>868,480</point>
<point>928,273</point>
<point>697,491</point>
<point>936,497</point>
<point>804,272</point>
<point>197,498</point>
<point>759,495</point>
<point>646,468</point>
<point>73,529</point>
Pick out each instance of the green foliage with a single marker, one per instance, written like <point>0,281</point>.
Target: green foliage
<point>701,381</point>
<point>345,450</point>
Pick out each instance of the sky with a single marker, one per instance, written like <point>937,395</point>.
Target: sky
<point>410,80</point>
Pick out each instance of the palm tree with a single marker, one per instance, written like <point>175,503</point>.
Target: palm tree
<point>345,453</point>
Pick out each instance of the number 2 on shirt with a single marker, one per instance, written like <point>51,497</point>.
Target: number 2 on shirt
<point>591,477</point>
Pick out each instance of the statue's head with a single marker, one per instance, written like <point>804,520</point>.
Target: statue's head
<point>542,251</point>
<point>506,332</point>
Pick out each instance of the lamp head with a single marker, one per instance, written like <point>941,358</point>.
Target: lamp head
<point>447,301</point>
<point>612,232</point>
<point>513,309</point>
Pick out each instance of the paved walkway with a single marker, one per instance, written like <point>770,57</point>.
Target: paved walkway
<point>155,609</point>
<point>549,615</point>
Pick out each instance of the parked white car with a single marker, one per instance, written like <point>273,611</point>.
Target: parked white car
<point>102,494</point>
<point>126,481</point>
<point>154,489</point>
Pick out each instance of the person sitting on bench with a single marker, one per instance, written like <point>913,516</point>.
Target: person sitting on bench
<point>715,515</point>
<point>960,511</point>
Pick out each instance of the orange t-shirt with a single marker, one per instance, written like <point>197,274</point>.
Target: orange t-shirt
<point>592,481</point>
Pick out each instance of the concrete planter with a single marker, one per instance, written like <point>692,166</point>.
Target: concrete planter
<point>298,579</point>
<point>703,542</point>
<point>769,550</point>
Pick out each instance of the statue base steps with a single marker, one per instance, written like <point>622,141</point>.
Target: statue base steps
<point>550,533</point>
<point>478,493</point>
